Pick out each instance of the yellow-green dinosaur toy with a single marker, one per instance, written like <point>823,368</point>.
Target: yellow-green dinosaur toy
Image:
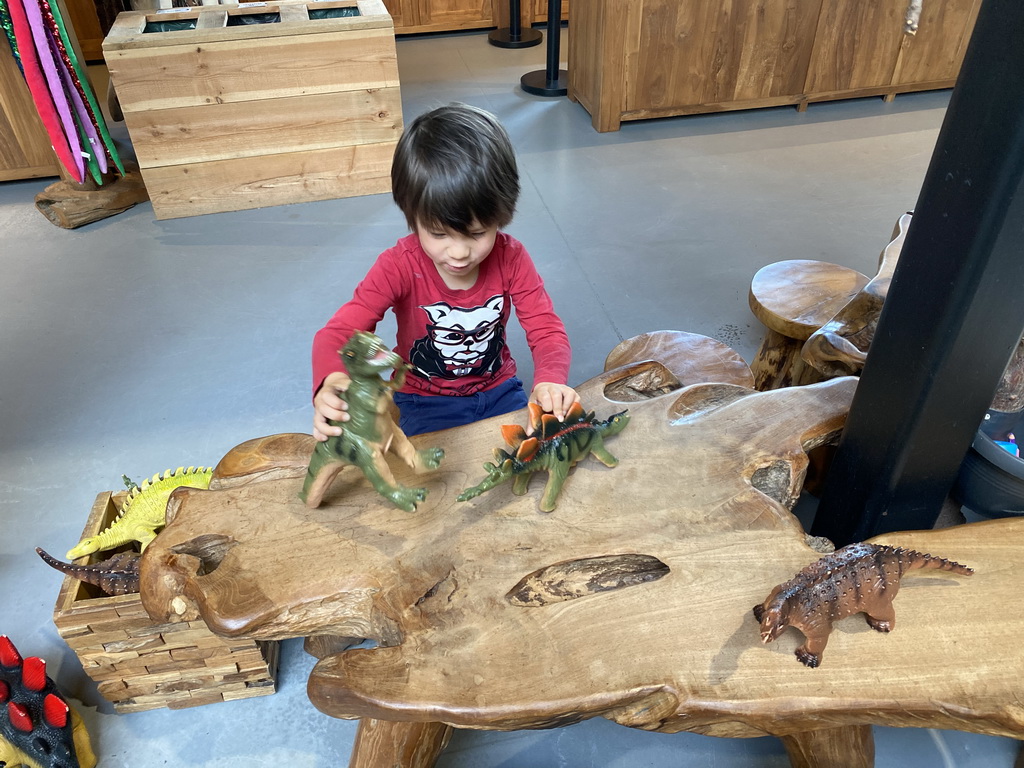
<point>143,512</point>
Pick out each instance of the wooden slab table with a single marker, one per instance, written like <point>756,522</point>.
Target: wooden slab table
<point>631,601</point>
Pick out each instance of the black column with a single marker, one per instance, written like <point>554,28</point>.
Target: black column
<point>514,36</point>
<point>550,81</point>
<point>954,311</point>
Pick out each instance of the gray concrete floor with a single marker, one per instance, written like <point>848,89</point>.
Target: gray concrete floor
<point>132,346</point>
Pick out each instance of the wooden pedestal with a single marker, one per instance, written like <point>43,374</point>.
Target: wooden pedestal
<point>141,664</point>
<point>794,299</point>
<point>231,115</point>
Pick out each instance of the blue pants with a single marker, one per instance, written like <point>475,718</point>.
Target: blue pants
<point>428,413</point>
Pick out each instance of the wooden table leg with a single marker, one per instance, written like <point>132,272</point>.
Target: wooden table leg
<point>846,747</point>
<point>384,744</point>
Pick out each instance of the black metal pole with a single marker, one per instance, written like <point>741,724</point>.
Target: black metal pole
<point>514,36</point>
<point>955,308</point>
<point>550,81</point>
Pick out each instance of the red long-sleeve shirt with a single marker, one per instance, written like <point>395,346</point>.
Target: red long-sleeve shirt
<point>455,339</point>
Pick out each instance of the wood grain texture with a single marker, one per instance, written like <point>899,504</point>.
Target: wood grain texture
<point>291,124</point>
<point>706,478</point>
<point>849,747</point>
<point>708,53</point>
<point>840,346</point>
<point>417,16</point>
<point>798,296</point>
<point>71,205</point>
<point>258,182</point>
<point>25,150</point>
<point>140,664</point>
<point>937,50</point>
<point>847,31</point>
<point>232,118</point>
<point>638,59</point>
<point>381,744</point>
<point>691,358</point>
<point>166,77</point>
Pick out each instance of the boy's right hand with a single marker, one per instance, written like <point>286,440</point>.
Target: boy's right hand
<point>328,404</point>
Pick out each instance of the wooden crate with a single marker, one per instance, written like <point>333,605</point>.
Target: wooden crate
<point>229,116</point>
<point>142,665</point>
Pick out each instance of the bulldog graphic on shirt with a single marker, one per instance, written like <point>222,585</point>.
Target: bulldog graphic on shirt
<point>460,341</point>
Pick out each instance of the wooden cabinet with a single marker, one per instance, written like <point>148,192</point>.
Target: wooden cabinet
<point>412,16</point>
<point>634,59</point>
<point>84,17</point>
<point>536,11</point>
<point>25,150</point>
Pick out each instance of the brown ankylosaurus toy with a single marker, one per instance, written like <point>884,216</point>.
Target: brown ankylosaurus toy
<point>859,578</point>
<point>117,575</point>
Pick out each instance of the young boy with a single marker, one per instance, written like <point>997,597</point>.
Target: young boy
<point>452,285</point>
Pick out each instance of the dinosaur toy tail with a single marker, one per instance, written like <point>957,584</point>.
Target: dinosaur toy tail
<point>118,575</point>
<point>922,561</point>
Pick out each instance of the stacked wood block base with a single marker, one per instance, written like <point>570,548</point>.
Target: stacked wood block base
<point>228,115</point>
<point>142,665</point>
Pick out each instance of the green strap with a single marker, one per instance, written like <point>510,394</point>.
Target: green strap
<point>8,25</point>
<point>101,124</point>
<point>90,159</point>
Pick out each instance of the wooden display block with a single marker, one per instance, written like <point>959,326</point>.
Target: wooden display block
<point>142,665</point>
<point>258,104</point>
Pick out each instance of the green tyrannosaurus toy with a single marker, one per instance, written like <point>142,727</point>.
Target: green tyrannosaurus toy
<point>143,512</point>
<point>370,431</point>
<point>555,447</point>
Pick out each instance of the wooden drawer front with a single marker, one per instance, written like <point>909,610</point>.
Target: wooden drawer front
<point>453,14</point>
<point>936,52</point>
<point>856,45</point>
<point>698,53</point>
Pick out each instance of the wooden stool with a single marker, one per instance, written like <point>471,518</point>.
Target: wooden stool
<point>794,299</point>
<point>840,346</point>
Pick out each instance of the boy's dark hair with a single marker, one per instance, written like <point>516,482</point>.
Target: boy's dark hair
<point>454,165</point>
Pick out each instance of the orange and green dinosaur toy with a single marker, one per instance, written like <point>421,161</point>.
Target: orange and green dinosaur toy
<point>556,446</point>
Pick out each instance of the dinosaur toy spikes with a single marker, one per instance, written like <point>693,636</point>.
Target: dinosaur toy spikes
<point>55,711</point>
<point>37,727</point>
<point>33,673</point>
<point>9,656</point>
<point>555,446</point>
<point>144,511</point>
<point>19,716</point>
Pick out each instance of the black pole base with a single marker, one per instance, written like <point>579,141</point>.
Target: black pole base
<point>538,84</point>
<point>503,38</point>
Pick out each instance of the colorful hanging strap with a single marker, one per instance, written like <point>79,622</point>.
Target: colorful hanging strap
<point>50,66</point>
<point>38,88</point>
<point>87,134</point>
<point>85,89</point>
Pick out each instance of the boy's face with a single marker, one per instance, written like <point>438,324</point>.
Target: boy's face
<point>456,256</point>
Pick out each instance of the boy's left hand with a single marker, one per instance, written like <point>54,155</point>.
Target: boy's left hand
<point>554,398</point>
